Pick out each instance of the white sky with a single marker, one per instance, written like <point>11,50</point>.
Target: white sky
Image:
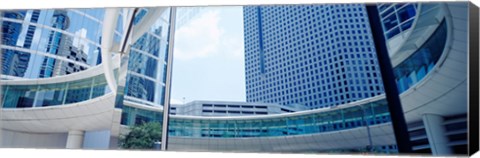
<point>209,57</point>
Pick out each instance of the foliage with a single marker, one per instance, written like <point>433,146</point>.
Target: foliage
<point>142,136</point>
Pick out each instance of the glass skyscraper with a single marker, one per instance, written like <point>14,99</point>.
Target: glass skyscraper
<point>317,56</point>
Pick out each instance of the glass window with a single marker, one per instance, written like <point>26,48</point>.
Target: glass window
<point>51,94</point>
<point>234,106</point>
<point>406,13</point>
<point>220,105</point>
<point>407,25</point>
<point>393,32</point>
<point>78,91</point>
<point>207,105</point>
<point>390,22</point>
<point>19,96</point>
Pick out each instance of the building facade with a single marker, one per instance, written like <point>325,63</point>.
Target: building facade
<point>230,108</point>
<point>63,47</point>
<point>397,21</point>
<point>12,63</point>
<point>440,131</point>
<point>317,55</point>
<point>147,65</point>
<point>49,43</point>
<point>77,110</point>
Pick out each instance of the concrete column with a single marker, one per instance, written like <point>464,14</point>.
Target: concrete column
<point>75,139</point>
<point>436,135</point>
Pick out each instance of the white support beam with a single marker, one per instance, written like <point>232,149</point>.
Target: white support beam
<point>168,83</point>
<point>109,23</point>
<point>147,21</point>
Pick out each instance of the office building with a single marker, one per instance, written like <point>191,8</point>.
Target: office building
<point>430,65</point>
<point>230,108</point>
<point>63,47</point>
<point>314,55</point>
<point>147,63</point>
<point>47,40</point>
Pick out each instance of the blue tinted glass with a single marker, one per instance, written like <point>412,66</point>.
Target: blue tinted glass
<point>140,88</point>
<point>407,25</point>
<point>387,12</point>
<point>415,67</point>
<point>23,96</point>
<point>393,32</point>
<point>390,22</point>
<point>406,13</point>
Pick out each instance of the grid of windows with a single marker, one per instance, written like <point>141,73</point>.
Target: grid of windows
<point>218,108</point>
<point>55,42</point>
<point>314,55</point>
<point>373,113</point>
<point>53,94</point>
<point>147,62</point>
<point>51,42</point>
<point>397,17</point>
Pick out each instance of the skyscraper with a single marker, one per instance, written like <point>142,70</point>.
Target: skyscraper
<point>318,55</point>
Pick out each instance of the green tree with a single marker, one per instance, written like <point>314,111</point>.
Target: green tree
<point>142,136</point>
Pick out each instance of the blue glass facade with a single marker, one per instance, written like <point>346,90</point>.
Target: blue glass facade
<point>49,43</point>
<point>55,42</point>
<point>135,116</point>
<point>13,62</point>
<point>148,62</point>
<point>397,17</point>
<point>54,94</point>
<point>413,69</point>
<point>316,55</point>
<point>372,113</point>
<point>60,22</point>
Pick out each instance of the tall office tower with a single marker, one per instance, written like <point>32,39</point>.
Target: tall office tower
<point>317,55</point>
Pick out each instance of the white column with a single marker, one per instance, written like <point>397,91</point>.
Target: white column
<point>109,23</point>
<point>147,21</point>
<point>75,139</point>
<point>168,83</point>
<point>436,134</point>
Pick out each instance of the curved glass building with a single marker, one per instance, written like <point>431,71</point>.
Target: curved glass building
<point>58,92</point>
<point>53,58</point>
<point>49,43</point>
<point>147,63</point>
